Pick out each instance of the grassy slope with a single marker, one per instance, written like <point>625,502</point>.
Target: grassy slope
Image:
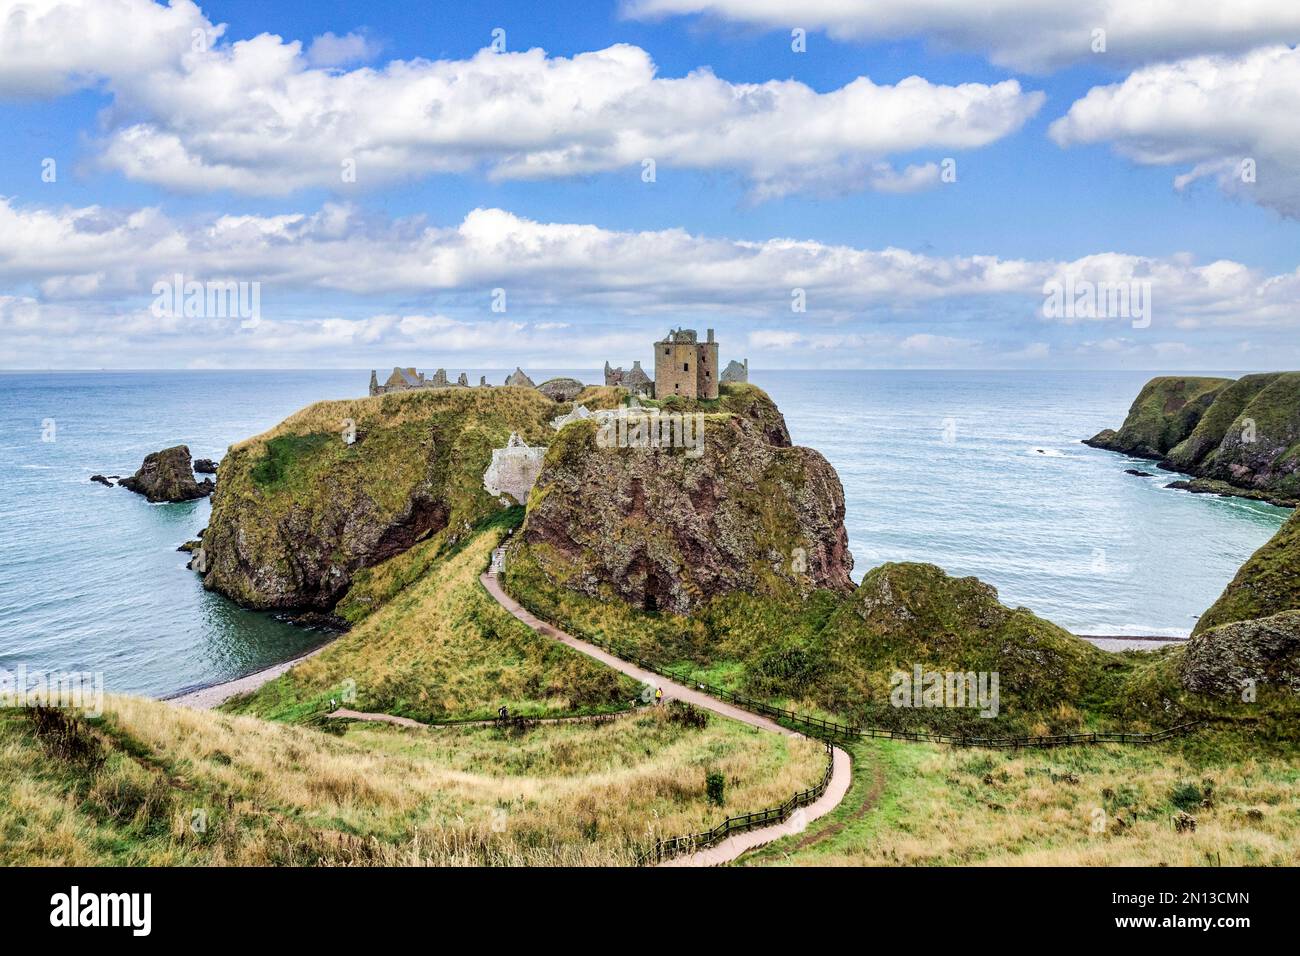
<point>1228,404</point>
<point>1165,412</point>
<point>276,794</point>
<point>1268,583</point>
<point>822,656</point>
<point>1274,410</point>
<point>442,649</point>
<point>905,614</point>
<point>947,806</point>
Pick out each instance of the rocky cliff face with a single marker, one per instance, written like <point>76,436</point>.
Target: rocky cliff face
<point>664,529</point>
<point>301,508</point>
<point>1226,661</point>
<point>1241,436</point>
<point>168,475</point>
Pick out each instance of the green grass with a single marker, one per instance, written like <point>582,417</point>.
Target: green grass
<point>281,454</point>
<point>1166,412</point>
<point>440,648</point>
<point>300,512</point>
<point>1081,806</point>
<point>831,657</point>
<point>1268,583</point>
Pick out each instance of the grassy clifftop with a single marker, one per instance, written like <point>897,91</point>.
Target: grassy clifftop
<point>299,511</point>
<point>1164,413</point>
<point>904,615</point>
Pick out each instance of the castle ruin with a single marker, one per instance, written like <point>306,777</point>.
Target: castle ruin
<point>406,379</point>
<point>685,366</point>
<point>636,381</point>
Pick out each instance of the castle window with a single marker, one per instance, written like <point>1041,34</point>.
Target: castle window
<point>686,366</point>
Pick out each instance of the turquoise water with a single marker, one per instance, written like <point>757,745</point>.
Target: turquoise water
<point>937,466</point>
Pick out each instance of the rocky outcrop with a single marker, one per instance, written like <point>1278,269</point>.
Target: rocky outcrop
<point>561,389</point>
<point>1229,660</point>
<point>905,615</point>
<point>1165,412</point>
<point>1233,437</point>
<point>1267,584</point>
<point>667,528</point>
<point>300,510</point>
<point>167,475</point>
<point>205,466</point>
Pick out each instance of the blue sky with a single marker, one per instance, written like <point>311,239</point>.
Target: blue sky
<point>1070,172</point>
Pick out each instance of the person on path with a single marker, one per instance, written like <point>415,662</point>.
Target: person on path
<point>659,696</point>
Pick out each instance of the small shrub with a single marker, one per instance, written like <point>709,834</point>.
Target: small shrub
<point>715,788</point>
<point>67,737</point>
<point>687,715</point>
<point>1186,796</point>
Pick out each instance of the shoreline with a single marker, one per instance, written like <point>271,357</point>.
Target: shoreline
<point>214,695</point>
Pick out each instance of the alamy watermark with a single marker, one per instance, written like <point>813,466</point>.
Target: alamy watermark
<point>1085,299</point>
<point>208,300</point>
<point>81,691</point>
<point>923,689</point>
<point>652,428</point>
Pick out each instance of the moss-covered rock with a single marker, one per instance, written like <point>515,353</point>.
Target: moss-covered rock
<point>663,528</point>
<point>1229,660</point>
<point>905,615</point>
<point>1267,584</point>
<point>300,510</point>
<point>1166,412</point>
<point>561,389</point>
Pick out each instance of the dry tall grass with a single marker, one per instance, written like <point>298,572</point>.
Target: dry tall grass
<point>1085,806</point>
<point>277,794</point>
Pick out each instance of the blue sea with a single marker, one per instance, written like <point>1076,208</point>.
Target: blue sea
<point>979,472</point>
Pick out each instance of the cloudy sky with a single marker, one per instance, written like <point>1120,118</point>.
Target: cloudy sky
<point>852,183</point>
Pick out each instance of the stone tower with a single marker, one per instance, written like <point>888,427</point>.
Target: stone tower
<point>685,366</point>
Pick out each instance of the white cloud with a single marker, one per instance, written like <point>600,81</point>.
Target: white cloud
<point>328,50</point>
<point>93,253</point>
<point>80,283</point>
<point>1212,114</point>
<point>258,116</point>
<point>1032,35</point>
<point>50,46</point>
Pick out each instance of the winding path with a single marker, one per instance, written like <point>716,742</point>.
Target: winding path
<point>732,847</point>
